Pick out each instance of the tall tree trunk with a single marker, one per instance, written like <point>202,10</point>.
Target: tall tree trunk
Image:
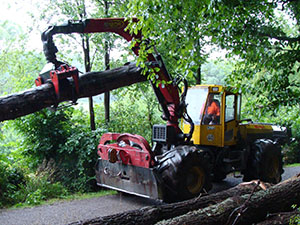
<point>107,67</point>
<point>87,65</point>
<point>198,75</point>
<point>107,94</point>
<point>198,78</point>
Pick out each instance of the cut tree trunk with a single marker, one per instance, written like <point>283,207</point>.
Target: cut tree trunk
<point>90,84</point>
<point>153,214</point>
<point>245,209</point>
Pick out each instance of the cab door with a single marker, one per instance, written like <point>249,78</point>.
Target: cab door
<point>211,132</point>
<point>231,114</point>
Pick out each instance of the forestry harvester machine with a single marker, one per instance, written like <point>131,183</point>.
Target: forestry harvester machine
<point>204,138</point>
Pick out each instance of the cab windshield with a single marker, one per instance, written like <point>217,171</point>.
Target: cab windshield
<point>195,99</point>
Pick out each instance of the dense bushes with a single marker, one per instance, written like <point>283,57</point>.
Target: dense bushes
<point>57,153</point>
<point>18,186</point>
<point>37,188</point>
<point>63,138</point>
<point>10,180</point>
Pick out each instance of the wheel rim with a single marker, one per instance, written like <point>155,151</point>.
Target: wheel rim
<point>195,180</point>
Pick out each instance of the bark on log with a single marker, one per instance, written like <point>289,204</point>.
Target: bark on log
<point>153,214</point>
<point>245,209</point>
<point>90,84</point>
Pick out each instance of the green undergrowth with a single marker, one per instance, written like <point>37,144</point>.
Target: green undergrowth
<point>293,165</point>
<point>80,196</point>
<point>295,220</point>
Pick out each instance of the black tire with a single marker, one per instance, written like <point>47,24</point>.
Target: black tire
<point>265,162</point>
<point>219,171</point>
<point>184,174</point>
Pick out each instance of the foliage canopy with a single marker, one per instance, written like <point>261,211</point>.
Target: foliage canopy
<point>265,35</point>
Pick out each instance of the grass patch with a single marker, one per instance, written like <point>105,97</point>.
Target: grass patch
<point>80,196</point>
<point>76,196</point>
<point>293,165</point>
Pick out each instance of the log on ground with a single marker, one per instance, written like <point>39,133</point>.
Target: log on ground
<point>90,84</point>
<point>153,214</point>
<point>245,209</point>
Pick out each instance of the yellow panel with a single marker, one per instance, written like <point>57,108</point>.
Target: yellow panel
<point>255,130</point>
<point>206,134</point>
<point>258,128</point>
<point>196,134</point>
<point>212,135</point>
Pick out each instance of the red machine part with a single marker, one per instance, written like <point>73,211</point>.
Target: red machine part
<point>114,25</point>
<point>61,73</point>
<point>38,81</point>
<point>128,149</point>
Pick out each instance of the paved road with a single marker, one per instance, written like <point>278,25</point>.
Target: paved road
<point>71,211</point>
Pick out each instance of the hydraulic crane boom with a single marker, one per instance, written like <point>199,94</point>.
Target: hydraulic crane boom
<point>167,92</point>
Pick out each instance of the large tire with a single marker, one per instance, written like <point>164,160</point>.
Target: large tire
<point>184,173</point>
<point>265,162</point>
<point>219,171</point>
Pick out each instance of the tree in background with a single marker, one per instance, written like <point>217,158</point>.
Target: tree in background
<point>18,64</point>
<point>19,67</point>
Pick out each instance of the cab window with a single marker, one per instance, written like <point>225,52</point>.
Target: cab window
<point>211,114</point>
<point>195,99</point>
<point>229,109</point>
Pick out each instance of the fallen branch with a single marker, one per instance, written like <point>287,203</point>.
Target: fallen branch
<point>278,198</point>
<point>90,84</point>
<point>153,214</point>
<point>241,209</point>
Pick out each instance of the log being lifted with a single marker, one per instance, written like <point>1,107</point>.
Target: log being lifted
<point>90,84</point>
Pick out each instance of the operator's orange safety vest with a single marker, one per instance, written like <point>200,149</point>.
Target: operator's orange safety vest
<point>213,109</point>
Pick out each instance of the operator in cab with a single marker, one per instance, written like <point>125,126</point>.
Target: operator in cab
<point>212,111</point>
